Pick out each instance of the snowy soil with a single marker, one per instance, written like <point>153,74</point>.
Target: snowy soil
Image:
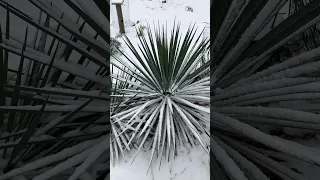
<point>190,164</point>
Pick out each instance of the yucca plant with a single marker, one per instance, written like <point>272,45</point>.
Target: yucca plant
<point>258,113</point>
<point>54,108</point>
<point>119,143</point>
<point>164,91</point>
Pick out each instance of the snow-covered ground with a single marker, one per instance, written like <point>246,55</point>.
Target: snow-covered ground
<point>152,12</point>
<point>190,163</point>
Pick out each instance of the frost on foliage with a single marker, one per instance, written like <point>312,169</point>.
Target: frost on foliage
<point>305,57</point>
<point>72,68</point>
<point>273,94</point>
<point>302,152</point>
<point>278,113</point>
<point>223,158</point>
<point>234,10</point>
<point>70,162</point>
<point>68,152</point>
<point>249,34</point>
<point>263,86</point>
<point>243,162</point>
<point>57,108</point>
<point>101,148</point>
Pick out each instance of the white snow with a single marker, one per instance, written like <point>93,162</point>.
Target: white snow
<point>117,1</point>
<point>190,164</point>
